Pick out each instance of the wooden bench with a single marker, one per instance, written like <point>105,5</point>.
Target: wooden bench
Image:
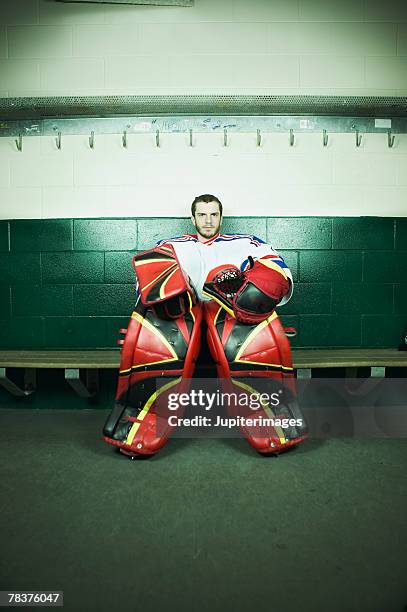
<point>82,367</point>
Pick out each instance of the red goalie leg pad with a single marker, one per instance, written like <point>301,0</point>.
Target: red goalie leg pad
<point>258,351</point>
<point>158,358</point>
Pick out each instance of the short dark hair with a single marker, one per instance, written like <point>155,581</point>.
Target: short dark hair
<point>206,197</point>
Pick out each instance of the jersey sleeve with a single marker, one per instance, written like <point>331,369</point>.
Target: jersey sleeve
<point>161,242</point>
<point>257,249</point>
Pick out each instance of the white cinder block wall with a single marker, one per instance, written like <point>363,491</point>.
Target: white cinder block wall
<point>325,47</point>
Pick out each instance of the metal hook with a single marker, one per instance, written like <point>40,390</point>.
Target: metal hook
<point>124,139</point>
<point>291,137</point>
<point>190,137</point>
<point>19,143</point>
<point>390,139</point>
<point>58,140</point>
<point>157,138</point>
<point>225,137</point>
<point>92,140</point>
<point>325,138</point>
<point>258,138</point>
<point>358,138</point>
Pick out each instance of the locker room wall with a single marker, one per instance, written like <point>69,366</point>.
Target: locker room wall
<point>353,47</point>
<point>68,283</point>
<point>143,180</point>
<point>338,214</point>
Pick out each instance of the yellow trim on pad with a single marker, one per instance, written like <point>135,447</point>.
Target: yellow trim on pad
<point>146,408</point>
<point>162,288</point>
<point>266,409</point>
<point>147,324</point>
<point>220,303</point>
<point>253,333</point>
<point>270,264</point>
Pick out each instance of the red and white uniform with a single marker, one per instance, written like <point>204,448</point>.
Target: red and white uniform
<point>198,259</point>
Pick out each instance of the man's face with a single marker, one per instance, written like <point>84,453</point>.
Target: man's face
<point>207,219</point>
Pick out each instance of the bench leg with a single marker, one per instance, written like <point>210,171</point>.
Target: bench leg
<point>30,382</point>
<point>377,373</point>
<point>83,389</point>
<point>304,373</point>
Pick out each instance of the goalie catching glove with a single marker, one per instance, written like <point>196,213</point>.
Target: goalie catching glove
<point>251,296</point>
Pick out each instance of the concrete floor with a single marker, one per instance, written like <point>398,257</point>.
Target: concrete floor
<point>204,525</point>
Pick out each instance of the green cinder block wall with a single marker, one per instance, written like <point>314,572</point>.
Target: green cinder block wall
<point>69,283</point>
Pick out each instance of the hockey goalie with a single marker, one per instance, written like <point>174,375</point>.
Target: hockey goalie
<point>232,283</point>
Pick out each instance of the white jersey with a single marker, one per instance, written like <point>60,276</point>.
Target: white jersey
<point>199,259</point>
